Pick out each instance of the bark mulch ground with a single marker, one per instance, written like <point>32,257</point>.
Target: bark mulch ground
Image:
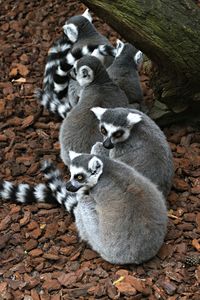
<point>41,257</point>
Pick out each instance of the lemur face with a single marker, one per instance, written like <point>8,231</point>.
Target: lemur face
<point>73,26</point>
<point>115,124</point>
<point>84,75</point>
<point>113,134</point>
<point>85,171</point>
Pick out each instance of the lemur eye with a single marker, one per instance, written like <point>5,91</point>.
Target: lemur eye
<point>103,130</point>
<point>79,177</point>
<point>117,134</point>
<point>84,73</point>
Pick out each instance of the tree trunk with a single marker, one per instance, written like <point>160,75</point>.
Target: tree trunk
<point>168,32</point>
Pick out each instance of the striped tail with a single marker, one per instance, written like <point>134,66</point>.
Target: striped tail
<point>58,186</point>
<point>54,95</point>
<point>61,74</point>
<point>50,101</point>
<point>25,194</point>
<point>56,53</point>
<point>54,191</point>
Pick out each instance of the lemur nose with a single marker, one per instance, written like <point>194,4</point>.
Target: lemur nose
<point>71,188</point>
<point>108,144</point>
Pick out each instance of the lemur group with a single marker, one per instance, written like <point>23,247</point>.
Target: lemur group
<point>120,162</point>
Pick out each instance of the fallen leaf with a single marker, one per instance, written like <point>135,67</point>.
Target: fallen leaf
<point>13,72</point>
<point>42,226</point>
<point>2,106</point>
<point>126,288</point>
<point>196,244</point>
<point>121,278</point>
<point>19,80</point>
<point>27,121</point>
<point>197,274</point>
<point>23,70</point>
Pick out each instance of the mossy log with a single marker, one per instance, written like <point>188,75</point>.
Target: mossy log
<point>168,32</point>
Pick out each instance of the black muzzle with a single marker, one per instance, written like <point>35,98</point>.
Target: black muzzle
<point>71,188</point>
<point>108,144</point>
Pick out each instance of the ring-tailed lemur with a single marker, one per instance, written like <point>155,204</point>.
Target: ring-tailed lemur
<point>136,140</point>
<point>80,38</point>
<point>124,72</point>
<point>119,212</point>
<point>79,130</point>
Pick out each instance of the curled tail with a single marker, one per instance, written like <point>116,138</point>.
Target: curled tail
<point>58,186</point>
<point>54,191</point>
<point>51,102</point>
<point>54,95</point>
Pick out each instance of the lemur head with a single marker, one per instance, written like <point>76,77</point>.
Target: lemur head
<point>85,171</point>
<point>76,25</point>
<point>126,50</point>
<point>116,124</point>
<point>87,69</point>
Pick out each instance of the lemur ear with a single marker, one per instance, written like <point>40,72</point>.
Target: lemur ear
<point>119,43</point>
<point>138,58</point>
<point>133,118</point>
<point>73,154</point>
<point>95,165</point>
<point>98,111</point>
<point>71,32</point>
<point>119,47</point>
<point>87,15</point>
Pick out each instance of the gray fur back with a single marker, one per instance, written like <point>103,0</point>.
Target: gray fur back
<point>148,151</point>
<point>79,130</point>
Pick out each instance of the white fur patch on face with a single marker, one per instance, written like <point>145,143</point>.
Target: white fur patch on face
<point>111,129</point>
<point>21,193</point>
<point>76,170</point>
<point>98,111</point>
<point>133,118</point>
<point>87,15</point>
<point>85,75</point>
<point>119,47</point>
<point>138,58</point>
<point>71,32</point>
<point>73,154</point>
